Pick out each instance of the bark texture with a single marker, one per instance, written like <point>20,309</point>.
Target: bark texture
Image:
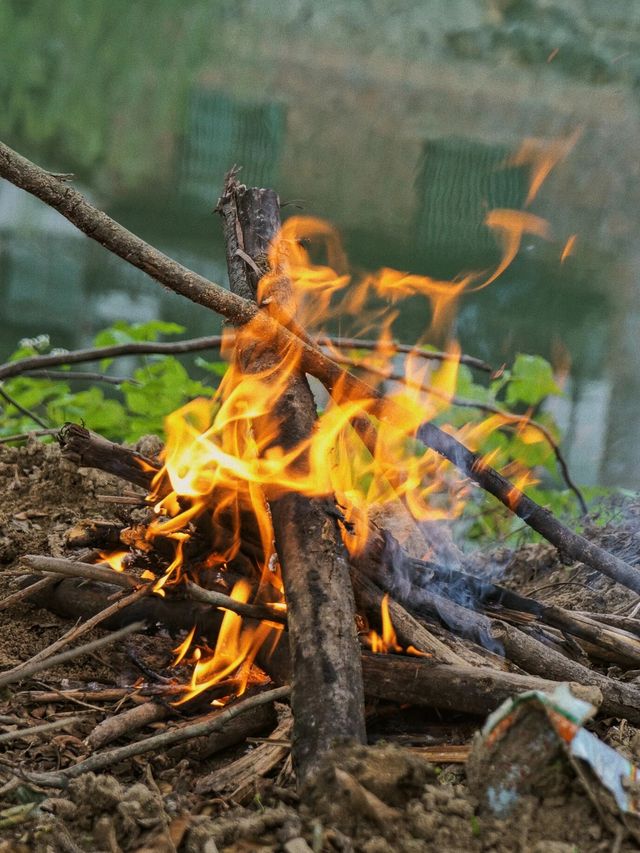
<point>327,695</point>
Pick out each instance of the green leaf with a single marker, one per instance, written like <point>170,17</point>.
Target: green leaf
<point>531,380</point>
<point>218,368</point>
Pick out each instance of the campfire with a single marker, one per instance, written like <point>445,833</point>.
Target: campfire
<point>276,536</point>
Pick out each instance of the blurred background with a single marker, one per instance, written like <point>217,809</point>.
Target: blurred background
<point>391,118</point>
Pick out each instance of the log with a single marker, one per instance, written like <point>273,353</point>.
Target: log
<point>449,687</point>
<point>327,696</point>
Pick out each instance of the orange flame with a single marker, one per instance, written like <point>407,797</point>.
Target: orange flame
<point>220,472</point>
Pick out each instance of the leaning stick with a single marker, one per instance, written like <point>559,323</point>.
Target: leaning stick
<point>26,669</point>
<point>327,697</point>
<point>33,666</point>
<point>410,632</point>
<point>219,599</point>
<point>117,239</point>
<point>161,742</point>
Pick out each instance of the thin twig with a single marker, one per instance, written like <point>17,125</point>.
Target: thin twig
<point>23,734</point>
<point>26,592</point>
<point>73,569</point>
<point>159,743</point>
<point>219,599</point>
<point>82,375</point>
<point>25,669</point>
<point>22,409</point>
<point>31,667</point>
<point>392,347</point>
<point>33,365</point>
<point>25,436</point>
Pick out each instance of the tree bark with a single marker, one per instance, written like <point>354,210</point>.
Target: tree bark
<point>327,696</point>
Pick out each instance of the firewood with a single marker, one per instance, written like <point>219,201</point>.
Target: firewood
<point>449,687</point>
<point>410,632</point>
<point>238,310</point>
<point>72,568</point>
<point>131,720</point>
<point>90,450</point>
<point>327,696</point>
<point>217,721</point>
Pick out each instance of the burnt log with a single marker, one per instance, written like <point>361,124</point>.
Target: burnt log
<point>327,695</point>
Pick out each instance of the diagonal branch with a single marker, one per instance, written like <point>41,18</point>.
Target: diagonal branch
<point>117,239</point>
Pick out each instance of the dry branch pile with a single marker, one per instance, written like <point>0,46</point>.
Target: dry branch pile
<point>263,580</point>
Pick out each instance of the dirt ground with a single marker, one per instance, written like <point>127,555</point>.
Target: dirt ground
<point>377,799</point>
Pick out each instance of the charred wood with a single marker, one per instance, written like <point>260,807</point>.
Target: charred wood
<point>327,697</point>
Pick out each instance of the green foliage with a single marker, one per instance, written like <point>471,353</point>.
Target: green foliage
<point>158,385</point>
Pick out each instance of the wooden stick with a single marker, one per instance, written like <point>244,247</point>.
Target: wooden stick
<point>238,780</point>
<point>36,365</point>
<point>111,728</point>
<point>410,632</point>
<point>473,690</point>
<point>25,669</point>
<point>25,734</point>
<point>71,568</point>
<point>619,699</point>
<point>327,696</point>
<point>31,667</point>
<point>396,572</point>
<point>158,743</point>
<point>100,227</point>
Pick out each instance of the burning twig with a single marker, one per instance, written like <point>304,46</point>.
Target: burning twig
<point>240,311</point>
<point>39,664</point>
<point>410,631</point>
<point>158,743</point>
<point>508,417</point>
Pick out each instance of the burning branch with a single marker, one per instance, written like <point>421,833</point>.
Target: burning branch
<point>240,311</point>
